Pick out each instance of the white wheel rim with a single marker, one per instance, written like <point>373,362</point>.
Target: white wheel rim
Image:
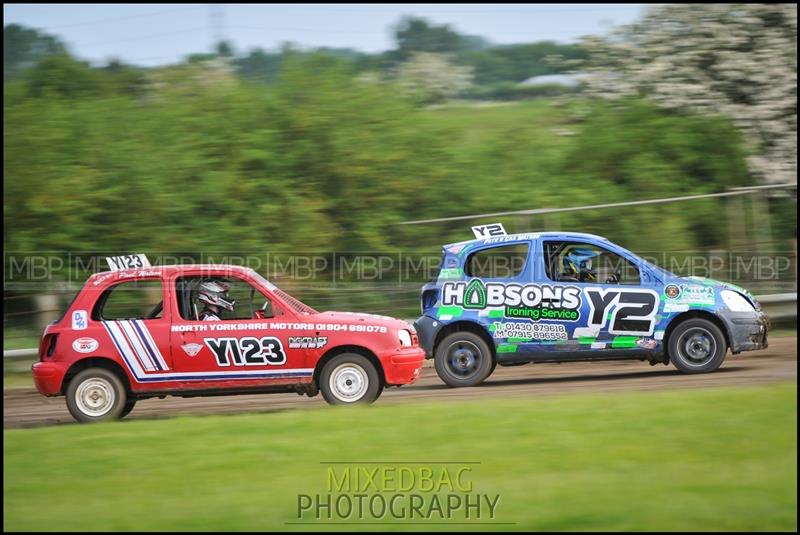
<point>95,397</point>
<point>349,382</point>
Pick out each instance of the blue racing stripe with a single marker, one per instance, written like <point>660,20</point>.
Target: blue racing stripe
<point>146,344</point>
<point>119,348</point>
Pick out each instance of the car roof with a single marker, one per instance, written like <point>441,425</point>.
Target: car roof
<point>159,271</point>
<point>525,236</point>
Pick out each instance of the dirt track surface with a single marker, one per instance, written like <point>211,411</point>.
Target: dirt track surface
<point>24,407</point>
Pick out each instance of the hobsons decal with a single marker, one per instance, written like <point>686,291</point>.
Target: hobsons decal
<point>528,301</point>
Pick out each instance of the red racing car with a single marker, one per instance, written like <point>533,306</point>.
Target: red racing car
<point>195,330</point>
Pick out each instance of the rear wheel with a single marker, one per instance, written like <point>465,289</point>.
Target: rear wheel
<point>350,378</point>
<point>697,346</point>
<point>463,359</point>
<point>129,405</point>
<point>96,395</point>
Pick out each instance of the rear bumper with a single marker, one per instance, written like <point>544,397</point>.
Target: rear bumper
<point>747,330</point>
<point>402,366</point>
<point>48,376</point>
<point>426,328</point>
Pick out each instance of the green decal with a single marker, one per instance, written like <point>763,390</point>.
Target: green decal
<point>492,327</point>
<point>507,348</point>
<point>475,294</point>
<point>586,339</point>
<point>624,341</point>
<point>520,339</point>
<point>495,314</point>
<point>453,311</point>
<point>450,273</point>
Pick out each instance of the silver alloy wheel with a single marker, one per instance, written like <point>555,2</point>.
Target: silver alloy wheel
<point>349,382</point>
<point>95,397</point>
<point>697,347</point>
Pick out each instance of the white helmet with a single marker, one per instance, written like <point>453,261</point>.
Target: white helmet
<point>215,293</point>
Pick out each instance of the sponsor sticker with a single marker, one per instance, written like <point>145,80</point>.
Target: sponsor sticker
<point>79,320</point>
<point>529,301</point>
<point>191,349</point>
<point>85,344</point>
<point>307,342</point>
<point>672,291</point>
<point>701,295</point>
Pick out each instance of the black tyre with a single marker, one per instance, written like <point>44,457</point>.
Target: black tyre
<point>463,359</point>
<point>96,395</point>
<point>129,405</point>
<point>350,378</point>
<point>697,346</point>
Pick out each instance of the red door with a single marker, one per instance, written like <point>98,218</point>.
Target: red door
<point>236,345</point>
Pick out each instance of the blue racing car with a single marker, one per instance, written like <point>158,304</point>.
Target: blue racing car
<point>565,296</point>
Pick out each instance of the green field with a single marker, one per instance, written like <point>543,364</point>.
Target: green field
<point>716,459</point>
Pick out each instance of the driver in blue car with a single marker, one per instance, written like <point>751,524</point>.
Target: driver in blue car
<point>578,265</point>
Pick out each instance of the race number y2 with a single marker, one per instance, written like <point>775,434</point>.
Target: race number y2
<point>633,311</point>
<point>489,231</point>
<point>247,351</point>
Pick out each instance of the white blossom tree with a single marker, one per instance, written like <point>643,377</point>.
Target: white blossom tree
<point>433,77</point>
<point>739,60</point>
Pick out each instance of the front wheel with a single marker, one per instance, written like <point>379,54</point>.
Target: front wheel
<point>697,346</point>
<point>96,395</point>
<point>463,359</point>
<point>350,378</point>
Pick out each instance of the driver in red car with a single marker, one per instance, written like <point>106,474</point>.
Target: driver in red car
<point>214,295</point>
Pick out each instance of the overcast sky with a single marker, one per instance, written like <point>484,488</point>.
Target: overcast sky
<point>155,34</point>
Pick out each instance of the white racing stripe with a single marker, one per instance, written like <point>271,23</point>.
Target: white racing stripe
<point>124,349</point>
<point>153,345</point>
<point>136,344</point>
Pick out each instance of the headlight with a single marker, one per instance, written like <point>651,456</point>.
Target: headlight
<point>405,338</point>
<point>736,302</point>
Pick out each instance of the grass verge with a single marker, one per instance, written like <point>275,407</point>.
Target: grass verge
<point>715,459</point>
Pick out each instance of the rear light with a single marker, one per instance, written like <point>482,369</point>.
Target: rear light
<point>48,346</point>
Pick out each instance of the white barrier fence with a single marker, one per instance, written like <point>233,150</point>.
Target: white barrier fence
<point>777,307</point>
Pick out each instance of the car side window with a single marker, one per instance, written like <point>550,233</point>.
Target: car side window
<point>227,298</point>
<point>584,262</point>
<point>504,261</point>
<point>140,299</point>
